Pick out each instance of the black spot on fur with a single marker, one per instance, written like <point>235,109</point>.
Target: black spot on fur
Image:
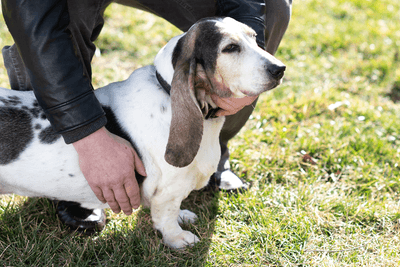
<point>113,126</point>
<point>206,44</point>
<point>43,116</point>
<point>13,97</point>
<point>163,109</point>
<point>71,175</point>
<point>35,112</point>
<point>38,126</point>
<point>14,100</point>
<point>48,136</point>
<point>11,100</point>
<point>15,133</point>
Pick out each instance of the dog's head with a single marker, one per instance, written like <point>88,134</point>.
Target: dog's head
<point>216,56</point>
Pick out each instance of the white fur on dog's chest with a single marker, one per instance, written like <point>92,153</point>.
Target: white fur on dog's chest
<point>210,152</point>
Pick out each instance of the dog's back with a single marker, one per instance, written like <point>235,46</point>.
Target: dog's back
<point>34,161</point>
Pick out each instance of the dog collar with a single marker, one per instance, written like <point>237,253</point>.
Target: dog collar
<point>166,86</point>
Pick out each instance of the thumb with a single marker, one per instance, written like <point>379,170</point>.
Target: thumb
<point>139,166</point>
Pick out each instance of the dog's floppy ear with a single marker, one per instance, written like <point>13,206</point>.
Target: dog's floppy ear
<point>186,129</point>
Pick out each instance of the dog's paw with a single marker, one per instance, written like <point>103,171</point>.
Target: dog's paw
<point>186,216</point>
<point>183,240</point>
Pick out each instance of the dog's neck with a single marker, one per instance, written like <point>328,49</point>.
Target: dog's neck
<point>165,73</point>
<point>163,60</point>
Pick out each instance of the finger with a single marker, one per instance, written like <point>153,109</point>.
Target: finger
<point>248,100</point>
<point>139,166</point>
<point>133,192</point>
<point>123,201</point>
<point>220,102</point>
<point>99,194</point>
<point>110,198</point>
<point>233,104</point>
<point>227,106</point>
<point>223,112</point>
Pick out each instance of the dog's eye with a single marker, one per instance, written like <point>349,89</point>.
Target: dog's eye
<point>231,48</point>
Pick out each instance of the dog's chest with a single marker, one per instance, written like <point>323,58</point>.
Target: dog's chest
<point>209,152</point>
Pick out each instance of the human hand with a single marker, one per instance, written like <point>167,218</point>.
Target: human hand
<point>230,105</point>
<point>108,163</point>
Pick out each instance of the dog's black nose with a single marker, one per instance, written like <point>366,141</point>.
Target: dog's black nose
<point>276,71</point>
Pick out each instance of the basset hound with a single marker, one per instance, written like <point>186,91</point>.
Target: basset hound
<point>164,110</point>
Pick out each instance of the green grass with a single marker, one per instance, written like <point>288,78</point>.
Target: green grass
<point>321,151</point>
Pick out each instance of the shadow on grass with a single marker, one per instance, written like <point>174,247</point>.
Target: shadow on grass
<point>31,235</point>
<point>394,93</point>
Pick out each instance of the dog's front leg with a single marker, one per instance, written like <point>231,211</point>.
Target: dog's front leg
<point>166,213</point>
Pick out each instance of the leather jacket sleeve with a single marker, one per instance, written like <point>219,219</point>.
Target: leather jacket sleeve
<point>61,83</point>
<point>249,12</point>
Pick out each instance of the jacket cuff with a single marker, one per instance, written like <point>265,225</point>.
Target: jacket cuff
<point>82,132</point>
<point>75,113</point>
<point>77,118</point>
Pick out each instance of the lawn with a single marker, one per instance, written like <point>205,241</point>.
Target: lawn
<point>321,152</point>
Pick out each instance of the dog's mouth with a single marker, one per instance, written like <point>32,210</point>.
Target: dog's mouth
<point>275,84</point>
<point>247,93</point>
<point>271,85</point>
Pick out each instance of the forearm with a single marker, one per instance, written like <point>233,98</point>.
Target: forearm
<point>60,81</point>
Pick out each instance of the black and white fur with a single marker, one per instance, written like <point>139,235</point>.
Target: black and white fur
<point>178,146</point>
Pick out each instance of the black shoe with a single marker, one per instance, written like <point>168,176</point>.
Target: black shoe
<point>79,219</point>
<point>227,181</point>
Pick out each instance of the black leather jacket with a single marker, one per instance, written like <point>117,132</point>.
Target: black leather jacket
<point>249,12</point>
<point>62,84</point>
